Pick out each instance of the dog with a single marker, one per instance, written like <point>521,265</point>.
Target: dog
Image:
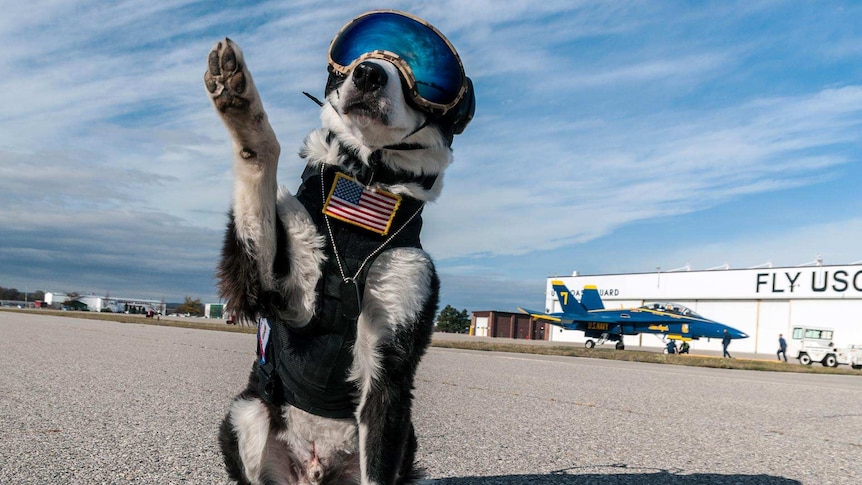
<point>334,276</point>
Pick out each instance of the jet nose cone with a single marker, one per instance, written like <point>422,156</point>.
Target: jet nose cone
<point>737,334</point>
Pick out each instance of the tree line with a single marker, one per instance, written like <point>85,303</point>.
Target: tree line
<point>192,306</point>
<point>449,320</point>
<point>453,321</point>
<point>15,295</point>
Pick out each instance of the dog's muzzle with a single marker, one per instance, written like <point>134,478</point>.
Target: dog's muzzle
<point>369,77</point>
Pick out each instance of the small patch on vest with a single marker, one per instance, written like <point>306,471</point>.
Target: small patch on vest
<point>356,204</point>
<point>262,338</point>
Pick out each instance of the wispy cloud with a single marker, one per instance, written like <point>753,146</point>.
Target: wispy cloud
<point>594,179</point>
<point>592,116</point>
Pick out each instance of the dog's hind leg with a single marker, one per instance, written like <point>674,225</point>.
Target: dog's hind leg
<point>243,437</point>
<point>394,331</point>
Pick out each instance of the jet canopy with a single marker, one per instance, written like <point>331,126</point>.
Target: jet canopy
<point>674,308</point>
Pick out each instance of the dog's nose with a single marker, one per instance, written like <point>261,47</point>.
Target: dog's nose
<point>369,76</point>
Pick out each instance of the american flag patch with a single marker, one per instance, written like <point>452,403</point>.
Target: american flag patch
<point>351,202</point>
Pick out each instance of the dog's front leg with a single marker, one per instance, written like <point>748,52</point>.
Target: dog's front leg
<point>250,244</point>
<point>394,330</point>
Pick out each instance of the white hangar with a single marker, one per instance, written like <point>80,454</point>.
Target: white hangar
<point>762,302</point>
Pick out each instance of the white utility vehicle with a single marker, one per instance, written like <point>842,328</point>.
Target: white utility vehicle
<point>813,344</point>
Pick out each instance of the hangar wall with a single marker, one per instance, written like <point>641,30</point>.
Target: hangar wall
<point>761,302</point>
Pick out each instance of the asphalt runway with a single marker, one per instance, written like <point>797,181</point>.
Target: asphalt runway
<point>91,402</point>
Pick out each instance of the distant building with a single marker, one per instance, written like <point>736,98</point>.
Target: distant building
<point>214,310</point>
<point>762,302</point>
<point>121,305</point>
<point>507,325</point>
<point>77,306</point>
<point>55,299</point>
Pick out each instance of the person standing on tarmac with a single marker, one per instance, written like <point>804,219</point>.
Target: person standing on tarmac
<point>725,341</point>
<point>782,347</point>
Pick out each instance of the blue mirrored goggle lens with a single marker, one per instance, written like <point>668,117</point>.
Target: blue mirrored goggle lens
<point>436,69</point>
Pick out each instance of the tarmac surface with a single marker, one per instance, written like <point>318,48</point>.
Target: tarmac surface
<point>92,402</point>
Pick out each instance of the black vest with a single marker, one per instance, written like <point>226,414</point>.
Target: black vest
<point>308,367</point>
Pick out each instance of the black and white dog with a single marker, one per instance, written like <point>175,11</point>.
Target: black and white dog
<point>334,276</point>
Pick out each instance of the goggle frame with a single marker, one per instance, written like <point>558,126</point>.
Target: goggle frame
<point>407,76</point>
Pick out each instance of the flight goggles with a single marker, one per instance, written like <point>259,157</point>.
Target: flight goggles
<point>431,69</point>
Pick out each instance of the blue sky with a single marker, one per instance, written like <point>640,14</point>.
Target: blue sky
<point>609,137</point>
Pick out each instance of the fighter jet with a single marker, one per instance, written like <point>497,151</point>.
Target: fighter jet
<point>671,321</point>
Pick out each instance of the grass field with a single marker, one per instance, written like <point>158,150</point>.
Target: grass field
<point>645,356</point>
<point>567,351</point>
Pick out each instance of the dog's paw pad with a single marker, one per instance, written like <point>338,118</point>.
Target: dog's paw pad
<point>225,78</point>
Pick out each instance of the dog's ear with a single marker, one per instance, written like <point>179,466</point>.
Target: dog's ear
<point>462,113</point>
<point>456,119</point>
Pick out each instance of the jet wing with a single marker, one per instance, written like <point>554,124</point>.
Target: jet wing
<point>558,319</point>
<point>541,315</point>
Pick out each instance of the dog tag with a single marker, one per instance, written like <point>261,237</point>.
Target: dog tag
<point>351,302</point>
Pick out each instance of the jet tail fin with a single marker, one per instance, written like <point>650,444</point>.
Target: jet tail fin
<point>568,302</point>
<point>590,298</point>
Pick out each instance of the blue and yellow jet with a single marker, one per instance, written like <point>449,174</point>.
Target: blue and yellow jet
<point>670,320</point>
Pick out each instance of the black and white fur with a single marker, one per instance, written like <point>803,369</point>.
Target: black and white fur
<point>271,245</point>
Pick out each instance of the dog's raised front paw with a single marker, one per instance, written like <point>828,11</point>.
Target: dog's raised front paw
<point>226,79</point>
